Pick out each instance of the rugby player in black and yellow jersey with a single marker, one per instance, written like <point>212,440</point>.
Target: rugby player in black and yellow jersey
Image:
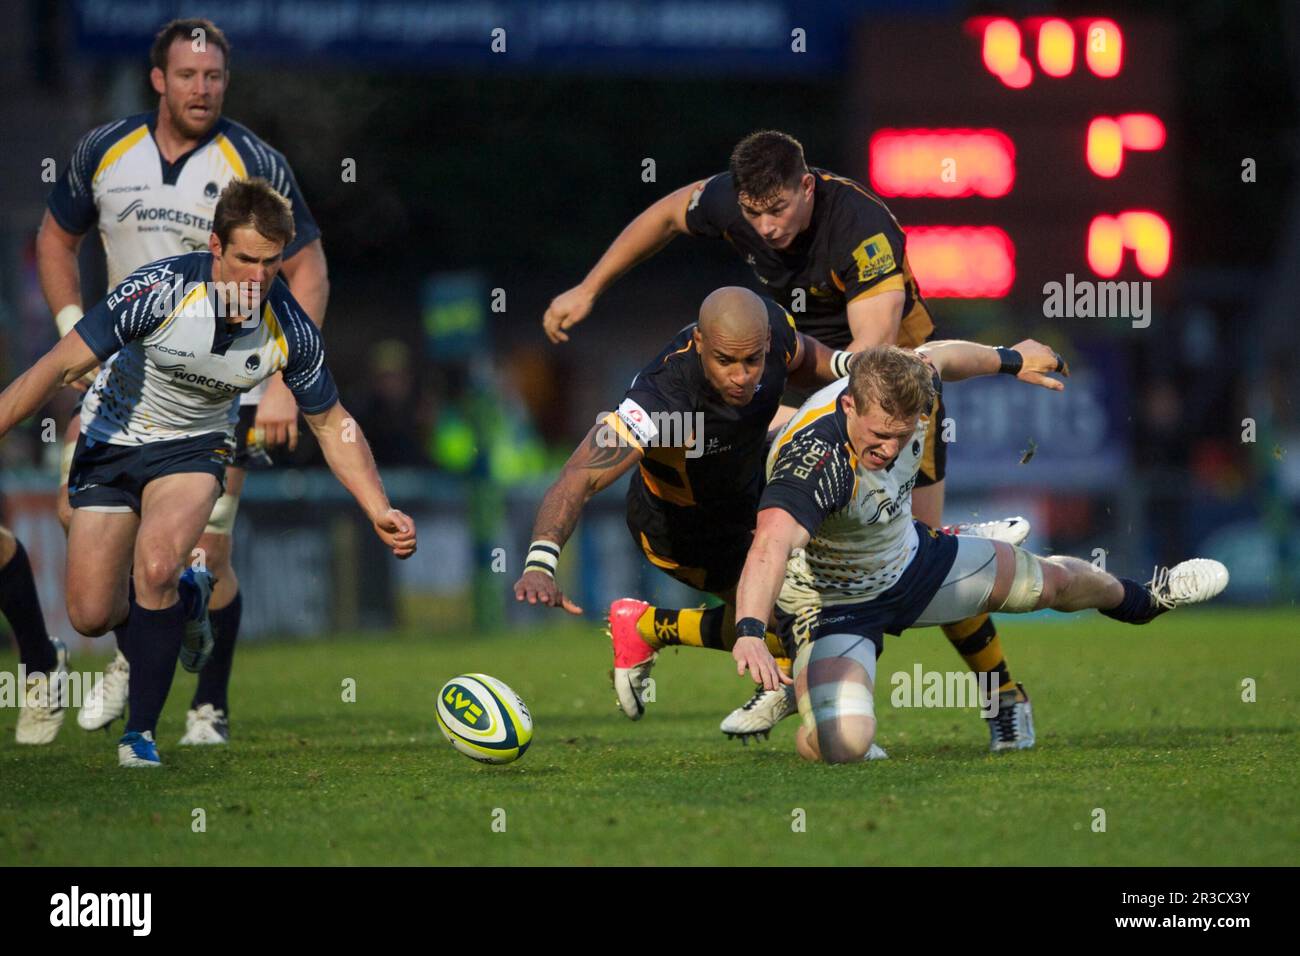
<point>830,252</point>
<point>694,423</point>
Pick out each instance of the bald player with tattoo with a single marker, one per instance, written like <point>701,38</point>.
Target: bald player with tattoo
<point>692,429</point>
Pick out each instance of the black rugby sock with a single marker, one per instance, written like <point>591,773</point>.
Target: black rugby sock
<point>214,679</point>
<point>122,633</point>
<point>22,608</point>
<point>155,644</point>
<point>1137,607</point>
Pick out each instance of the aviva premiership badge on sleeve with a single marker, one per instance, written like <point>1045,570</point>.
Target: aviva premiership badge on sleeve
<point>874,258</point>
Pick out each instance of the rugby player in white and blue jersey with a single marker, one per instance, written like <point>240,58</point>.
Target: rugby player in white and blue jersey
<point>838,554</point>
<point>149,183</point>
<point>179,340</point>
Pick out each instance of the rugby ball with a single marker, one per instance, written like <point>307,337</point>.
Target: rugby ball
<point>484,719</point>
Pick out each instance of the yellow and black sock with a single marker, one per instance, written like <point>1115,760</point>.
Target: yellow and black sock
<point>977,641</point>
<point>712,627</point>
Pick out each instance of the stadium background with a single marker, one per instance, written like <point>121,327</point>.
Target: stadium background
<point>478,171</point>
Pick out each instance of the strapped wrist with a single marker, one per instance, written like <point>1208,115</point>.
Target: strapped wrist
<point>1012,361</point>
<point>543,556</point>
<point>68,316</point>
<point>840,362</point>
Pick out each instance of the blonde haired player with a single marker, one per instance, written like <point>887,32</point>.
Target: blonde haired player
<point>838,555</point>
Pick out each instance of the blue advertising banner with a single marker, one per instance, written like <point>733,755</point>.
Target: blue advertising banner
<point>768,37</point>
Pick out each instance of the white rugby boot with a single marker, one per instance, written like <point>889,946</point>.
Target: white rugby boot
<point>761,713</point>
<point>42,711</point>
<point>137,749</point>
<point>633,657</point>
<point>1190,582</point>
<point>106,701</point>
<point>1012,727</point>
<point>1011,530</point>
<point>207,725</point>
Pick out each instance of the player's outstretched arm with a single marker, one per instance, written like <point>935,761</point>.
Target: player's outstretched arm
<point>62,365</point>
<point>348,455</point>
<point>776,535</point>
<point>601,459</point>
<point>1029,361</point>
<point>642,238</point>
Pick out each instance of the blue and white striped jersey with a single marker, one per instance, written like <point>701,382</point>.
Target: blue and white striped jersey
<point>860,520</point>
<point>148,209</point>
<point>177,367</point>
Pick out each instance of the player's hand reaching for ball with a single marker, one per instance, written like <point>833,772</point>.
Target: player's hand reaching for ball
<point>397,531</point>
<point>538,587</point>
<point>751,654</point>
<point>565,311</point>
<point>1039,360</point>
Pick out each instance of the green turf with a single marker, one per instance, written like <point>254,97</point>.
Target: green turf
<point>1147,724</point>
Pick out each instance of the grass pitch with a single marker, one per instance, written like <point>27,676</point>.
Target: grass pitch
<point>1147,724</point>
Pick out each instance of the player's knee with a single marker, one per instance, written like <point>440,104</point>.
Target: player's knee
<point>156,571</point>
<point>1027,589</point>
<point>846,739</point>
<point>90,617</point>
<point>214,550</point>
<point>839,716</point>
<point>8,546</point>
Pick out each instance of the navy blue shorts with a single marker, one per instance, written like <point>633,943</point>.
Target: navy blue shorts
<point>889,613</point>
<point>247,455</point>
<point>108,477</point>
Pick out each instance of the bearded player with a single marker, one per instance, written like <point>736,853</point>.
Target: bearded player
<point>830,252</point>
<point>150,183</point>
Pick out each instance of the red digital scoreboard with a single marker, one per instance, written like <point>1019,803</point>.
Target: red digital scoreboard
<point>1017,150</point>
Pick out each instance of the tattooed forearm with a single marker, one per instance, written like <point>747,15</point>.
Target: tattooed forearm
<point>595,464</point>
<point>560,510</point>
